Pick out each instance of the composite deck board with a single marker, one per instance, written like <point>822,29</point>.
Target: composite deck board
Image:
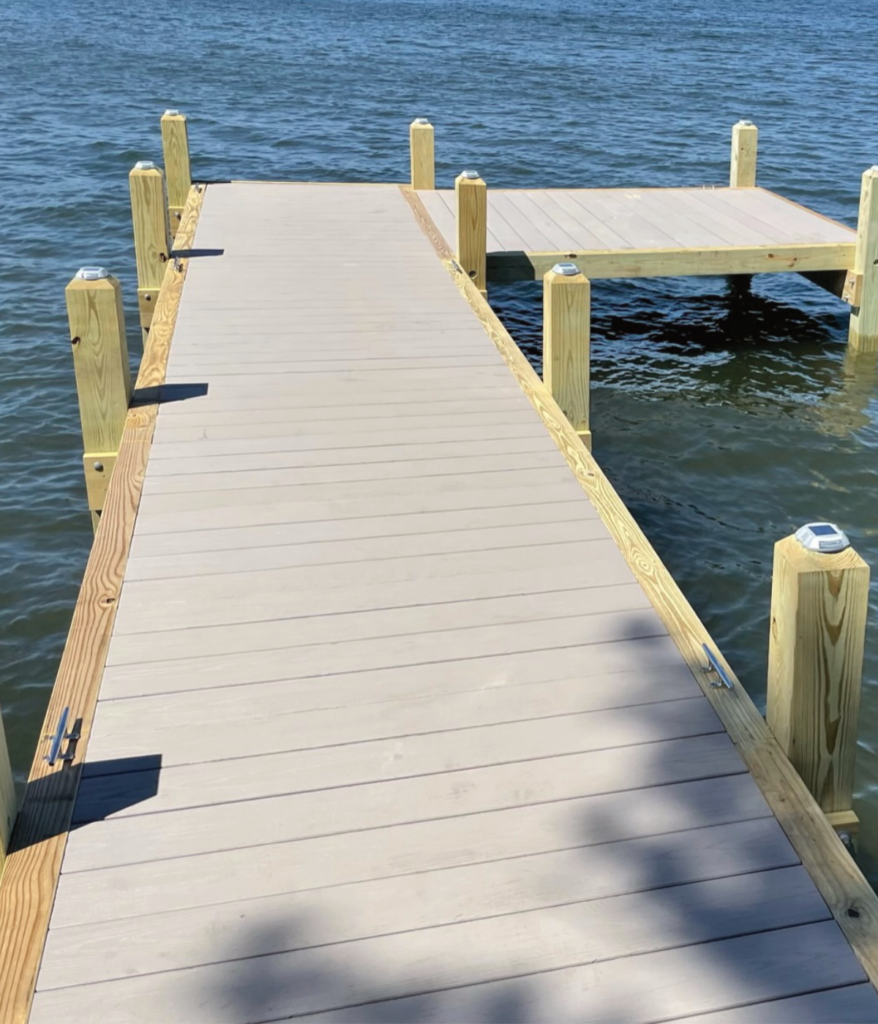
<point>387,730</point>
<point>562,220</point>
<point>856,1004</point>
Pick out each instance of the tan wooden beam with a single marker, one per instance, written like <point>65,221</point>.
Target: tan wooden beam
<point>103,374</point>
<point>422,154</point>
<point>152,241</point>
<point>819,603</point>
<point>745,138</point>
<point>175,147</point>
<point>472,227</point>
<point>8,801</point>
<point>599,264</point>
<point>566,342</point>
<point>863,334</point>
<point>851,900</point>
<point>27,889</point>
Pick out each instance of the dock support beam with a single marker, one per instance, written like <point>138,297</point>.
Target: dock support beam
<point>152,242</point>
<point>422,154</point>
<point>863,335</point>
<point>8,803</point>
<point>819,602</point>
<point>566,341</point>
<point>745,136</point>
<point>175,146</point>
<point>472,227</point>
<point>103,375</point>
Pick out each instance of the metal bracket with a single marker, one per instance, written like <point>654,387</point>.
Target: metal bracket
<point>713,665</point>
<point>60,735</point>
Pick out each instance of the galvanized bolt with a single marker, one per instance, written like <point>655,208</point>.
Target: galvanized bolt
<point>566,269</point>
<point>92,273</point>
<point>99,467</point>
<point>144,165</point>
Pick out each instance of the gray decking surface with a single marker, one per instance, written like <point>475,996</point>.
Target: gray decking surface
<point>426,751</point>
<point>573,220</point>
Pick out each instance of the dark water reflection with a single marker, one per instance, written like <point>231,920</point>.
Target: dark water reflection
<point>724,421</point>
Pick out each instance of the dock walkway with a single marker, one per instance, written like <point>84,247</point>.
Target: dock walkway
<point>388,730</point>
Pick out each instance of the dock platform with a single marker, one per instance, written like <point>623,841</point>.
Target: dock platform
<point>395,714</point>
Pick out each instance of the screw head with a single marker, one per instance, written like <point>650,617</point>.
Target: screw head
<point>144,165</point>
<point>469,175</point>
<point>99,467</point>
<point>566,269</point>
<point>92,273</point>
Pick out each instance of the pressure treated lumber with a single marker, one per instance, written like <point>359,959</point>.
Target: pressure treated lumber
<point>40,835</point>
<point>566,344</point>
<point>819,604</point>
<point>152,237</point>
<point>745,137</point>
<point>472,227</point>
<point>103,375</point>
<point>423,162</point>
<point>863,333</point>
<point>851,899</point>
<point>8,798</point>
<point>175,148</point>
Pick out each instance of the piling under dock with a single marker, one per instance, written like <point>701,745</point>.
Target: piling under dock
<point>401,717</point>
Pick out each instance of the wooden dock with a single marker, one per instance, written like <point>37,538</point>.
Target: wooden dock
<point>391,712</point>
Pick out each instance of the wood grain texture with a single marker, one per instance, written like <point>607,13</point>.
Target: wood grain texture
<point>175,148</point>
<point>676,262</point>
<point>566,346</point>
<point>423,164</point>
<point>745,139</point>
<point>8,798</point>
<point>854,1004</point>
<point>38,841</point>
<point>863,334</point>
<point>430,982</point>
<point>472,228</point>
<point>819,604</point>
<point>851,899</point>
<point>152,238</point>
<point>103,376</point>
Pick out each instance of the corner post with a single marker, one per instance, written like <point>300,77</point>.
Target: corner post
<point>472,227</point>
<point>152,241</point>
<point>422,154</point>
<point>175,146</point>
<point>863,334</point>
<point>745,136</point>
<point>819,602</point>
<point>566,343</point>
<point>8,802</point>
<point>103,375</point>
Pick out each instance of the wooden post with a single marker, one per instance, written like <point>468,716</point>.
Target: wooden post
<point>423,158</point>
<point>566,341</point>
<point>103,375</point>
<point>819,601</point>
<point>175,145</point>
<point>863,335</point>
<point>472,227</point>
<point>152,242</point>
<point>745,136</point>
<point>8,803</point>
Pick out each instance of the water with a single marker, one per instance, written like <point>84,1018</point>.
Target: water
<point>724,423</point>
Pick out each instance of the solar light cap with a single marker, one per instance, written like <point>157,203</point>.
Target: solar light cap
<point>469,175</point>
<point>92,273</point>
<point>172,113</point>
<point>825,538</point>
<point>422,120</point>
<point>144,165</point>
<point>566,269</point>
